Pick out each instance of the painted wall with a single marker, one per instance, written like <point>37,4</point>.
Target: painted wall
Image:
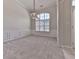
<point>53,22</point>
<point>16,21</point>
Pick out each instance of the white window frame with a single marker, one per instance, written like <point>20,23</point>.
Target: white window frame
<point>41,21</point>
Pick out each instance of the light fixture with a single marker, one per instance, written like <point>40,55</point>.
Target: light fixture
<point>33,13</point>
<point>73,2</point>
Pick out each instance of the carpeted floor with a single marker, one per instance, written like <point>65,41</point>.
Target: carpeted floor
<point>32,47</point>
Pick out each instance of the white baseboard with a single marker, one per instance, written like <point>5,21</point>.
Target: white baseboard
<point>66,46</point>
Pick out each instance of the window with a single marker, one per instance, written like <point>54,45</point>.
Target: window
<point>42,22</point>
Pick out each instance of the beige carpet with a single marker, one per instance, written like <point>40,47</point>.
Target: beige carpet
<point>32,47</point>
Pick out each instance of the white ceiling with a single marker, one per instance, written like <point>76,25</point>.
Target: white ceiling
<point>28,4</point>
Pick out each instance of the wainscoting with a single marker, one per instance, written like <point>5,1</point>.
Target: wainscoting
<point>11,35</point>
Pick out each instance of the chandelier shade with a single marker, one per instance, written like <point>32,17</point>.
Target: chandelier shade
<point>33,13</point>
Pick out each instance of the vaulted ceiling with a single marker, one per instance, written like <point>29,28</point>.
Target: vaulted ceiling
<point>39,4</point>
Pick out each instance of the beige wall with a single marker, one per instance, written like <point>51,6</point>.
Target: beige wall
<point>53,22</point>
<point>16,19</point>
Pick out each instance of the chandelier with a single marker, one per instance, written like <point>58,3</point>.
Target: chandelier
<point>33,13</point>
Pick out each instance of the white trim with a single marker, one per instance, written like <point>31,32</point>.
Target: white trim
<point>66,46</point>
<point>58,22</point>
